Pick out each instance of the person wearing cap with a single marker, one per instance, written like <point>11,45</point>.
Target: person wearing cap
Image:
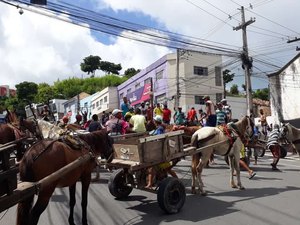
<point>167,166</point>
<point>149,112</point>
<point>221,115</point>
<point>210,112</point>
<point>166,114</point>
<point>95,124</point>
<point>273,146</point>
<point>130,112</point>
<point>64,122</point>
<point>226,108</point>
<point>116,125</point>
<point>138,121</point>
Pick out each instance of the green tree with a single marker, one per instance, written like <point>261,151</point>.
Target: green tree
<point>45,93</point>
<point>131,72</point>
<point>234,90</point>
<point>110,67</point>
<point>90,64</point>
<point>227,78</point>
<point>262,94</point>
<point>27,91</point>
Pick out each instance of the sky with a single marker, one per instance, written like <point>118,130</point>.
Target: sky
<point>37,48</point>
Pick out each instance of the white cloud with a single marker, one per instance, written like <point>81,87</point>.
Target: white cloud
<point>40,49</point>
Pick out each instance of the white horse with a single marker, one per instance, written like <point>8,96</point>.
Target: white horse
<point>53,131</point>
<point>292,134</point>
<point>236,135</point>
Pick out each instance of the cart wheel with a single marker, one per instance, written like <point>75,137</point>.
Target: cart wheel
<point>283,151</point>
<point>117,184</point>
<point>260,151</point>
<point>171,195</point>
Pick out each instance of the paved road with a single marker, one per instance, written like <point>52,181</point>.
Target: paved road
<point>270,198</point>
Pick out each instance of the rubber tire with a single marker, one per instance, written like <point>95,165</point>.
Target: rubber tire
<point>260,152</point>
<point>117,184</point>
<point>283,152</point>
<point>171,195</point>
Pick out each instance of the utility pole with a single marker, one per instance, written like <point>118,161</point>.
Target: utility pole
<point>177,96</point>
<point>247,62</point>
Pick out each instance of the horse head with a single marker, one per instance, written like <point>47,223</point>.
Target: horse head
<point>100,143</point>
<point>31,126</point>
<point>244,127</point>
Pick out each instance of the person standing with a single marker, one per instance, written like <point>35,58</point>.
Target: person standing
<point>167,166</point>
<point>202,117</point>
<point>263,122</point>
<point>116,125</point>
<point>158,110</point>
<point>95,124</point>
<point>138,121</point>
<point>143,109</point>
<point>192,116</point>
<point>273,146</point>
<point>125,106</point>
<point>210,112</point>
<point>227,109</point>
<point>179,117</point>
<point>166,114</point>
<point>221,115</point>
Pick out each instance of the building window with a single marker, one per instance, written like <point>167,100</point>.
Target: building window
<point>85,105</point>
<point>101,102</point>
<point>137,86</point>
<point>93,106</point>
<point>121,96</point>
<point>199,70</point>
<point>160,99</point>
<point>147,81</point>
<point>199,100</point>
<point>128,90</point>
<point>219,97</point>
<point>159,75</point>
<point>105,99</point>
<point>97,104</point>
<point>218,76</point>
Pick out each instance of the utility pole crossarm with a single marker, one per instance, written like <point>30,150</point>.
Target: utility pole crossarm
<point>244,25</point>
<point>296,39</point>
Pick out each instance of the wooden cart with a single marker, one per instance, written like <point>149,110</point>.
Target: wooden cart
<point>133,156</point>
<point>12,192</point>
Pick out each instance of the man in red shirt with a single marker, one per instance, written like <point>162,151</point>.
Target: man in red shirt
<point>166,114</point>
<point>192,116</point>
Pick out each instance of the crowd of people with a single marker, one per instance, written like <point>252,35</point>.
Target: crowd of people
<point>128,119</point>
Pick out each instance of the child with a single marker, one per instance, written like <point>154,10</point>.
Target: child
<point>160,129</point>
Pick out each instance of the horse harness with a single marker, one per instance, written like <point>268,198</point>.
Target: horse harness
<point>230,135</point>
<point>74,142</point>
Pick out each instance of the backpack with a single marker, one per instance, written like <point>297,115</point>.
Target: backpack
<point>117,128</point>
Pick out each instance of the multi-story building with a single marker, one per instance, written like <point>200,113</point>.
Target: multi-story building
<point>284,93</point>
<point>105,100</point>
<point>198,75</point>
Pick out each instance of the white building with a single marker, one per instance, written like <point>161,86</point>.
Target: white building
<point>285,92</point>
<point>199,75</point>
<point>105,100</point>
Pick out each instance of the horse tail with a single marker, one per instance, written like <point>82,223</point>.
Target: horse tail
<point>194,140</point>
<point>23,211</point>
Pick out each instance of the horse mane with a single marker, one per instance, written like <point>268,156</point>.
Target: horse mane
<point>95,139</point>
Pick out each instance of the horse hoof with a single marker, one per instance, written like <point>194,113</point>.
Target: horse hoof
<point>242,188</point>
<point>203,193</point>
<point>234,186</point>
<point>193,191</point>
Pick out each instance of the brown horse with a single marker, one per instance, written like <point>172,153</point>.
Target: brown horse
<point>188,131</point>
<point>48,156</point>
<point>16,130</point>
<point>231,146</point>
